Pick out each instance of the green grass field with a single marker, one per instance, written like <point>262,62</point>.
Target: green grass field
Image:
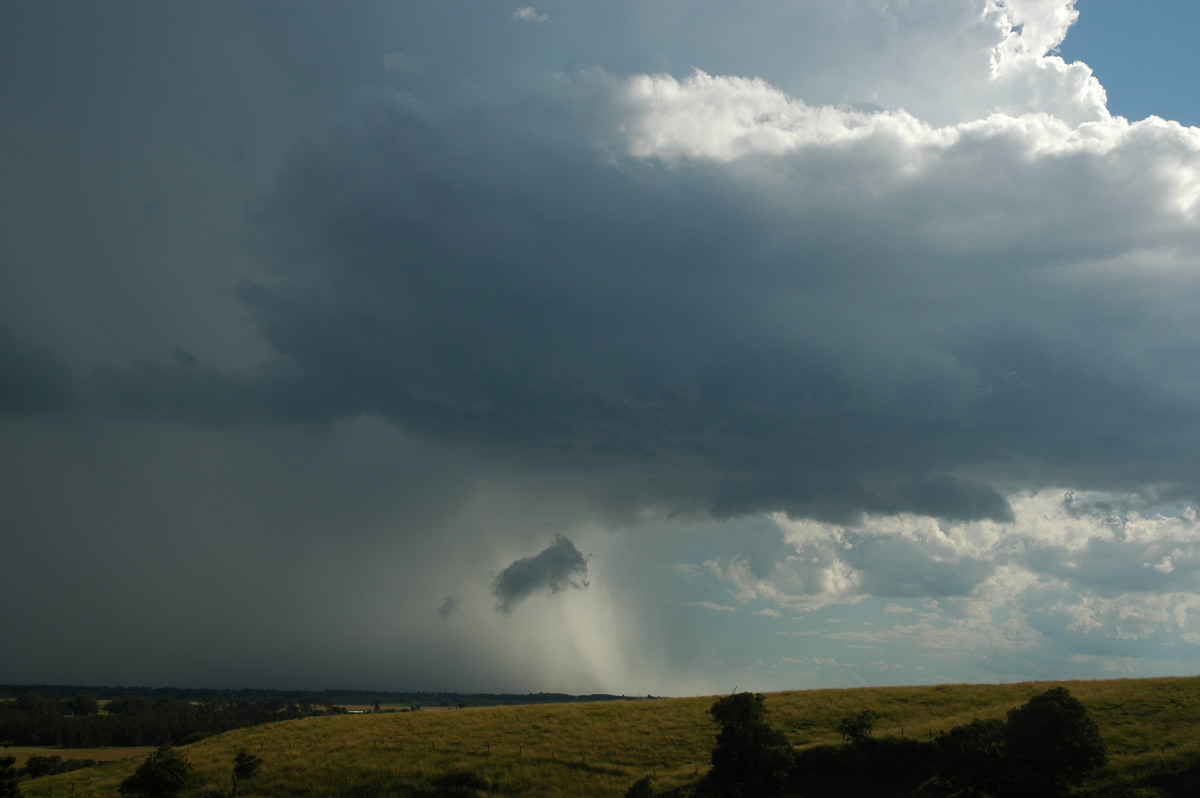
<point>599,749</point>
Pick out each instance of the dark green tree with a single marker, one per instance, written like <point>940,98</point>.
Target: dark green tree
<point>82,705</point>
<point>38,766</point>
<point>1052,744</point>
<point>245,766</point>
<point>34,704</point>
<point>164,774</point>
<point>750,758</point>
<point>8,778</point>
<point>858,727</point>
<point>970,760</point>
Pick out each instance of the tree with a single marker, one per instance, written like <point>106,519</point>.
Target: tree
<point>82,705</point>
<point>164,774</point>
<point>1052,744</point>
<point>34,704</point>
<point>970,759</point>
<point>245,766</point>
<point>750,758</point>
<point>856,728</point>
<point>8,778</point>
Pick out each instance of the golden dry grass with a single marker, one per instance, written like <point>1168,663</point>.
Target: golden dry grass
<point>599,749</point>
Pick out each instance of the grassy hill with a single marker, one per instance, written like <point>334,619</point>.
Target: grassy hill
<point>598,749</point>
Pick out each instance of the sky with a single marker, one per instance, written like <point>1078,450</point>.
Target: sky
<point>1139,52</point>
<point>583,347</point>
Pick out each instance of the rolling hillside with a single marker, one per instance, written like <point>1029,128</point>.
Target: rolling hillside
<point>598,749</point>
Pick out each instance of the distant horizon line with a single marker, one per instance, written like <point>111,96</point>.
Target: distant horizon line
<point>8,688</point>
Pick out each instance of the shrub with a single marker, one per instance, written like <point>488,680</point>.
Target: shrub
<point>8,778</point>
<point>37,766</point>
<point>971,758</point>
<point>164,774</point>
<point>640,789</point>
<point>878,768</point>
<point>457,783</point>
<point>1044,748</point>
<point>857,727</point>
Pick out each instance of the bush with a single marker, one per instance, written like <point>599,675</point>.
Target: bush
<point>37,766</point>
<point>164,774</point>
<point>858,727</point>
<point>1044,748</point>
<point>456,784</point>
<point>8,778</point>
<point>879,768</point>
<point>972,758</point>
<point>640,789</point>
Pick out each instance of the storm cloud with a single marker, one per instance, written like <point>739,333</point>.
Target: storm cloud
<point>758,304</point>
<point>865,324</point>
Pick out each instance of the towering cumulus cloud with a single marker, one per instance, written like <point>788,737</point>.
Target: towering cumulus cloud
<point>805,306</point>
<point>761,304</point>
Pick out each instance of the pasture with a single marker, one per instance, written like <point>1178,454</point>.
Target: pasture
<point>599,749</point>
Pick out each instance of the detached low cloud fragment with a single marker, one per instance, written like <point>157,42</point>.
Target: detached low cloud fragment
<point>559,566</point>
<point>449,605</point>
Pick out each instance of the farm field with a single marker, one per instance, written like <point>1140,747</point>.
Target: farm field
<point>111,754</point>
<point>599,749</point>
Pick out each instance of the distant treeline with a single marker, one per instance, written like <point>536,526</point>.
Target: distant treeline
<point>467,699</point>
<point>61,691</point>
<point>322,697</point>
<point>77,721</point>
<point>75,717</point>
